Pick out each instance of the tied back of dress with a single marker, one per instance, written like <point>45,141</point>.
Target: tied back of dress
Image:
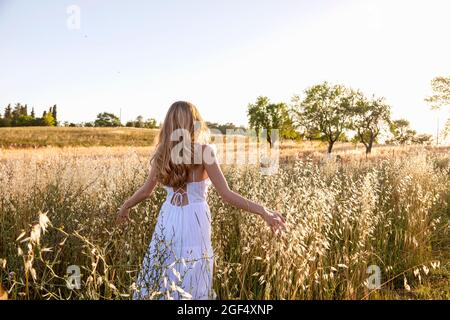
<point>179,261</point>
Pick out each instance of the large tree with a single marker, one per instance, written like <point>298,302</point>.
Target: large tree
<point>263,115</point>
<point>326,109</point>
<point>369,117</point>
<point>279,118</point>
<point>440,97</point>
<point>402,132</point>
<point>257,115</point>
<point>106,119</point>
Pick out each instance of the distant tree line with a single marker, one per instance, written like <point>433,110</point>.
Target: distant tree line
<point>18,116</point>
<point>141,123</point>
<point>106,119</point>
<point>226,127</point>
<point>329,113</point>
<point>324,112</point>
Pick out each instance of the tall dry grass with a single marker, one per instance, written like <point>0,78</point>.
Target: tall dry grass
<point>57,208</point>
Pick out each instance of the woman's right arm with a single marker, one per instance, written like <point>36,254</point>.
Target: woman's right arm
<point>274,219</point>
<point>140,195</point>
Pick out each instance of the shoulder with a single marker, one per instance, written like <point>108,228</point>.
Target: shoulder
<point>209,153</point>
<point>209,148</point>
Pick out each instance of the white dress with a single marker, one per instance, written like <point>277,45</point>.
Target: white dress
<point>180,256</point>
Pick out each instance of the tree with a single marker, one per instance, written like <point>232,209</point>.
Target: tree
<point>18,117</point>
<point>47,120</point>
<point>279,118</point>
<point>264,115</point>
<point>312,134</point>
<point>257,117</point>
<point>441,92</point>
<point>140,123</point>
<point>151,123</point>
<point>224,127</point>
<point>54,114</point>
<point>327,109</point>
<point>70,124</point>
<point>106,119</point>
<point>23,121</point>
<point>401,131</point>
<point>17,111</point>
<point>6,121</point>
<point>425,139</point>
<point>440,97</point>
<point>368,118</point>
<point>8,112</point>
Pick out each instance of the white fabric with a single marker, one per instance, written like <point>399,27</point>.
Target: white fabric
<point>180,249</point>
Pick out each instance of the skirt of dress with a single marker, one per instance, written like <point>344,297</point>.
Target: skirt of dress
<point>179,261</point>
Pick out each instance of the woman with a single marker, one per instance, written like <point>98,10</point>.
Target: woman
<point>179,261</point>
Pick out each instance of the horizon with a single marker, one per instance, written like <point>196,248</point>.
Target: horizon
<point>140,58</point>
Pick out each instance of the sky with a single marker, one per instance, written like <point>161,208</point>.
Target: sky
<point>137,57</point>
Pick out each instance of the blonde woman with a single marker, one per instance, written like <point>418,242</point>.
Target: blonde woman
<point>179,261</point>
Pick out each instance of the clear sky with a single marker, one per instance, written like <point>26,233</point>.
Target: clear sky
<point>140,56</point>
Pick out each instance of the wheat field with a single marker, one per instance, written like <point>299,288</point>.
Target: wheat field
<point>391,210</point>
<point>36,137</point>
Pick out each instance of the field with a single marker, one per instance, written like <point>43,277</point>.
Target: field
<point>33,137</point>
<point>388,211</point>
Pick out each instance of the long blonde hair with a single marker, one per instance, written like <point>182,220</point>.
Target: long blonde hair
<point>182,115</point>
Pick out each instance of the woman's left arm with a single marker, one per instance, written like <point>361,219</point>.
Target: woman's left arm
<point>140,195</point>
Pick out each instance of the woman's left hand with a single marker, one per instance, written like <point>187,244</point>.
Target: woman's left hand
<point>123,215</point>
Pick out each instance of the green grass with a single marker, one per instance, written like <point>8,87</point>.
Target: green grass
<point>32,137</point>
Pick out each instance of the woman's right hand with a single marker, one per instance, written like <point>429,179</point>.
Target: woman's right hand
<point>275,221</point>
<point>123,215</point>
